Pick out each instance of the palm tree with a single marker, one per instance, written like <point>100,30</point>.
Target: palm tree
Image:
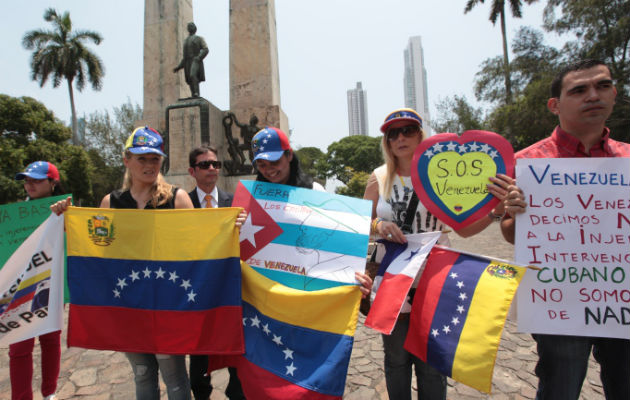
<point>61,53</point>
<point>498,11</point>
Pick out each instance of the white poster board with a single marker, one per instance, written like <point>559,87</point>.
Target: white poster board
<point>576,228</point>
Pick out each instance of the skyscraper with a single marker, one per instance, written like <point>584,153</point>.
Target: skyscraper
<point>415,80</point>
<point>357,111</point>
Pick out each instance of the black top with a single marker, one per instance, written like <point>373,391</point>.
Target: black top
<point>120,199</point>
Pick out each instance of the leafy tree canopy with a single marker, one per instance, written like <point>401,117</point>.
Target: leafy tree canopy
<point>360,153</point>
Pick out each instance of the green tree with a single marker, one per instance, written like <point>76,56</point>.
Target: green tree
<point>457,115</point>
<point>360,153</point>
<point>497,11</point>
<point>356,185</point>
<point>30,132</point>
<point>311,159</point>
<point>62,53</point>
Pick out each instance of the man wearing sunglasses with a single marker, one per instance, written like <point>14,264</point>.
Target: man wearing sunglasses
<point>205,168</point>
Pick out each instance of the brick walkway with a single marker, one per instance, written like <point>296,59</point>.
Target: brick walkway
<point>102,375</point>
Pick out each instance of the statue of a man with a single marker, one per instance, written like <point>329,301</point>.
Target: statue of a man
<point>195,50</point>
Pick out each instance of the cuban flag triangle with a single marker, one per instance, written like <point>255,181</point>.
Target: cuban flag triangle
<point>31,283</point>
<point>396,274</point>
<point>305,239</point>
<point>154,281</point>
<point>458,314</point>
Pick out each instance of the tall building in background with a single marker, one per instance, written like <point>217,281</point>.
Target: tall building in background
<point>415,80</point>
<point>357,111</point>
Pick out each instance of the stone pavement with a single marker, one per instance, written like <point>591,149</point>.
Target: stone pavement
<point>102,375</point>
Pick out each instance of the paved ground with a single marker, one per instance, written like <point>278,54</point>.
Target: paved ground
<point>89,374</point>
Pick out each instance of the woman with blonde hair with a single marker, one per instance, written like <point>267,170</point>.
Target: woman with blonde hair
<point>396,212</point>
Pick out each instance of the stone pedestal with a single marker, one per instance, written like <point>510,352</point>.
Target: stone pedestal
<point>191,123</point>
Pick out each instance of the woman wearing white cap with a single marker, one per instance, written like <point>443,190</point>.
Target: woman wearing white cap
<point>396,211</point>
<point>41,179</point>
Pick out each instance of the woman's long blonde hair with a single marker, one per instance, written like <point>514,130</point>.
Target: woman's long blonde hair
<point>391,161</point>
<point>161,191</point>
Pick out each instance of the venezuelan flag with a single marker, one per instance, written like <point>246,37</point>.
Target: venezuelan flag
<point>458,314</point>
<point>154,281</point>
<point>297,343</point>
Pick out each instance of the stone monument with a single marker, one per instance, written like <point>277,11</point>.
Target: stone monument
<point>187,121</point>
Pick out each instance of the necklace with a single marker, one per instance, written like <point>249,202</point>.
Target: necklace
<point>402,182</point>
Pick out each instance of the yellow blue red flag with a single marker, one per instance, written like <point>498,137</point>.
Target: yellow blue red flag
<point>154,281</point>
<point>458,314</point>
<point>297,343</point>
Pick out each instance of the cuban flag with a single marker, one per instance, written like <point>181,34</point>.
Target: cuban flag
<point>303,238</point>
<point>398,270</point>
<point>154,281</point>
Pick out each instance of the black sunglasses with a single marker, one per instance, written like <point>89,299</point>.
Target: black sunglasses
<point>407,131</point>
<point>207,164</point>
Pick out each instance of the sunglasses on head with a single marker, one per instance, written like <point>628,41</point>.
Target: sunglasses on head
<point>407,131</point>
<point>207,164</point>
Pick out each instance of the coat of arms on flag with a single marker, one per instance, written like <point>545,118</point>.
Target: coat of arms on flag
<point>304,238</point>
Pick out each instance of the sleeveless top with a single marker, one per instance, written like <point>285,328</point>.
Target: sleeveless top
<point>394,209</point>
<point>123,199</point>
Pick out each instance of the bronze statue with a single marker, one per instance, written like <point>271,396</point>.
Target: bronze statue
<point>195,50</point>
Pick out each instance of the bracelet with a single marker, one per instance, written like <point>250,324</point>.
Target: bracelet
<point>375,222</point>
<point>495,217</point>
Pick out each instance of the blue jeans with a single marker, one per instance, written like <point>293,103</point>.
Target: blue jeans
<point>398,363</point>
<point>563,363</point>
<point>145,370</point>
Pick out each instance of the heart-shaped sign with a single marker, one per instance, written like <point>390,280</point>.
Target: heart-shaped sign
<point>450,174</point>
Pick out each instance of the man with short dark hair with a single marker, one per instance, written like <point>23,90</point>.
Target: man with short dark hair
<point>205,168</point>
<point>582,96</point>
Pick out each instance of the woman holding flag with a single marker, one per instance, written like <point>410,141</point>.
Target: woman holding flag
<point>396,211</point>
<point>41,179</point>
<point>144,187</point>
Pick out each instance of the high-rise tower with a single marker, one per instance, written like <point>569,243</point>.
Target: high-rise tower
<point>357,111</point>
<point>415,80</point>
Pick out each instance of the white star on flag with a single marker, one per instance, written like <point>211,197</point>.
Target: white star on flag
<point>116,293</point>
<point>191,296</point>
<point>455,321</point>
<point>249,230</point>
<point>460,284</point>
<point>463,296</point>
<point>290,369</point>
<point>134,275</point>
<point>460,309</point>
<point>288,353</point>
<point>446,329</point>
<point>266,329</point>
<point>185,284</point>
<point>255,321</point>
<point>277,340</point>
<point>147,272</point>
<point>173,276</point>
<point>453,275</point>
<point>159,273</point>
<point>121,283</point>
<point>435,333</point>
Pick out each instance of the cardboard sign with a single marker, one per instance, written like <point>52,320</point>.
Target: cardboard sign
<point>450,174</point>
<point>576,228</point>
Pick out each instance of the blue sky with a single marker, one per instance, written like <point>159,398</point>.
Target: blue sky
<point>324,48</point>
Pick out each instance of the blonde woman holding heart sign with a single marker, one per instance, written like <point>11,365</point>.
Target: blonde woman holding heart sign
<point>396,211</point>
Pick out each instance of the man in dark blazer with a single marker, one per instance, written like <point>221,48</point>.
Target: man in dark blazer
<point>205,168</point>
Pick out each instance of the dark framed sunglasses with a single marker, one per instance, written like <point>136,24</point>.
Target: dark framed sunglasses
<point>407,131</point>
<point>207,164</point>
